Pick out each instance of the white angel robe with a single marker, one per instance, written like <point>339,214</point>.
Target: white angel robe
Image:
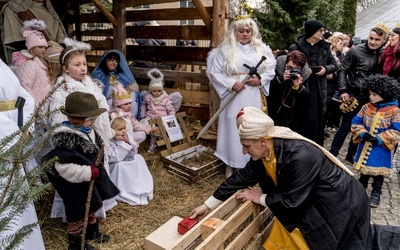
<point>10,89</point>
<point>229,149</point>
<point>129,172</point>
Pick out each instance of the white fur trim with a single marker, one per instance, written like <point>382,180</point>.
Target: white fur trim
<point>73,172</point>
<point>33,24</point>
<point>262,200</point>
<point>77,44</point>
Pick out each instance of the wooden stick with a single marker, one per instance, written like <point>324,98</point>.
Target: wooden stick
<point>105,12</point>
<point>89,197</point>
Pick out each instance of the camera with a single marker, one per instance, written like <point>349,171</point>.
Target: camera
<point>294,72</point>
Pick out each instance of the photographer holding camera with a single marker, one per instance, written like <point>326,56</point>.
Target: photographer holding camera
<point>288,98</point>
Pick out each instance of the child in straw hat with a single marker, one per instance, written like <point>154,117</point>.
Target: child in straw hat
<point>80,159</point>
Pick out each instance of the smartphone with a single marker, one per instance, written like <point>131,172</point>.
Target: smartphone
<point>315,69</point>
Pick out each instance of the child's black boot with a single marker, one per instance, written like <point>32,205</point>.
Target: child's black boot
<point>93,233</point>
<point>75,243</point>
<point>375,199</point>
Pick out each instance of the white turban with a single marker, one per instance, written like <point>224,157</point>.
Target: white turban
<point>252,123</point>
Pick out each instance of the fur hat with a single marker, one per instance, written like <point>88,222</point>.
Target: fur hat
<point>121,98</point>
<point>312,26</point>
<point>79,104</point>
<point>52,53</point>
<point>385,86</point>
<point>156,79</point>
<point>31,31</point>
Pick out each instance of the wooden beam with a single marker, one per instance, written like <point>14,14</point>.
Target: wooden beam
<point>152,14</point>
<point>133,3</point>
<point>174,75</point>
<point>105,12</point>
<point>119,31</point>
<point>203,13</point>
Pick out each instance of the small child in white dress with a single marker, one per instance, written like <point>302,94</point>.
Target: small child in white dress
<point>128,169</point>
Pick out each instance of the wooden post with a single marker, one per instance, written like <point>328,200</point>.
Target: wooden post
<point>77,19</point>
<point>218,31</point>
<point>119,32</point>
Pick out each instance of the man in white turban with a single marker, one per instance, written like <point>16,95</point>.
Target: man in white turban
<point>317,202</point>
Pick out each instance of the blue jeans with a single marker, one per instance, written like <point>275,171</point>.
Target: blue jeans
<point>342,133</point>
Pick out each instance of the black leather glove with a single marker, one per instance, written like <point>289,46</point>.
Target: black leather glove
<point>374,141</point>
<point>367,136</point>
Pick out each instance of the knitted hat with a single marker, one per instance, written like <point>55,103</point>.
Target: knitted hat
<point>356,40</point>
<point>52,53</point>
<point>312,26</point>
<point>327,34</point>
<point>156,79</point>
<point>79,104</point>
<point>121,98</point>
<point>385,86</point>
<point>31,31</point>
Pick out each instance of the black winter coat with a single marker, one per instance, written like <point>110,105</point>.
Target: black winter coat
<point>330,207</point>
<point>70,147</point>
<point>358,63</point>
<point>322,57</point>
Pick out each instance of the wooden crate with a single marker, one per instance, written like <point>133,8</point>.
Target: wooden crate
<point>176,154</point>
<point>244,225</point>
<point>189,171</point>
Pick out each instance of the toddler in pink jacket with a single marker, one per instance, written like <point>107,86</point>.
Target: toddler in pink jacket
<point>156,102</point>
<point>121,105</point>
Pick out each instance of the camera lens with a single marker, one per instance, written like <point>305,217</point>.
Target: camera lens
<point>293,76</point>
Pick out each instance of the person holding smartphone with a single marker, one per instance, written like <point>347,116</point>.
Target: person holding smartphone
<point>321,62</point>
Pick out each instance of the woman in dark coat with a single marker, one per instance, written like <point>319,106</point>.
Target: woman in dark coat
<point>321,61</point>
<point>288,98</point>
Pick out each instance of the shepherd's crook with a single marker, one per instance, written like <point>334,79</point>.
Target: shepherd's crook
<point>253,71</point>
<point>89,197</point>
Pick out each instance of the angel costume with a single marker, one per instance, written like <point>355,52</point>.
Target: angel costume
<point>10,89</point>
<point>66,85</point>
<point>129,172</point>
<point>229,149</point>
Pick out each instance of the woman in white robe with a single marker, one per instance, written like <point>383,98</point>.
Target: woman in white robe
<point>241,45</point>
<point>10,89</point>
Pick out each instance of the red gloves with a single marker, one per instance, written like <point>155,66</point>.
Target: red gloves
<point>95,172</point>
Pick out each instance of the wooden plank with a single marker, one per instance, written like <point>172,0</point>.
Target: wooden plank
<point>156,54</point>
<point>196,32</point>
<point>194,233</point>
<point>152,14</point>
<point>244,237</point>
<point>173,75</point>
<point>219,236</point>
<point>133,3</point>
<point>166,14</point>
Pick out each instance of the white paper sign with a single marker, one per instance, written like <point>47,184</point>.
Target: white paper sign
<point>173,130</point>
